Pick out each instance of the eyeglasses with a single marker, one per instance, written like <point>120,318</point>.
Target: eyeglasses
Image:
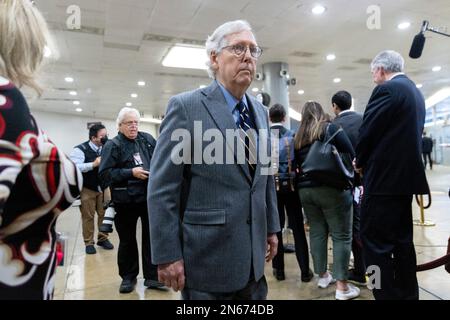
<point>131,123</point>
<point>240,49</point>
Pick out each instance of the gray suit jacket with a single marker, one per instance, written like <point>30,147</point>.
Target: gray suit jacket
<point>214,216</point>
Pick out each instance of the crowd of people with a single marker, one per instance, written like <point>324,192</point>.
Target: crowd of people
<point>209,228</point>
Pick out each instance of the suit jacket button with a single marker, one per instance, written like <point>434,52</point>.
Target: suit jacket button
<point>249,221</point>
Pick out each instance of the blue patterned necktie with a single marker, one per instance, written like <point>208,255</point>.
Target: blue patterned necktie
<point>245,123</point>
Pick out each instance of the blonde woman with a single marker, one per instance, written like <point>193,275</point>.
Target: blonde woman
<point>328,209</point>
<point>37,181</point>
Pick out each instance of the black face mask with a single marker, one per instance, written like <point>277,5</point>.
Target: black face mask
<point>103,140</point>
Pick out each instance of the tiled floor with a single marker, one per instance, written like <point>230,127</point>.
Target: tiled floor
<point>92,277</point>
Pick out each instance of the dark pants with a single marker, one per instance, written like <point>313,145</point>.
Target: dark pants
<point>387,235</point>
<point>254,290</point>
<point>426,155</point>
<point>358,258</point>
<point>291,202</point>
<point>128,255</point>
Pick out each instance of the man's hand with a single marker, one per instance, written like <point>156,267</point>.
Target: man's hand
<point>272,246</point>
<point>96,162</point>
<point>140,173</point>
<point>172,275</point>
<point>357,170</point>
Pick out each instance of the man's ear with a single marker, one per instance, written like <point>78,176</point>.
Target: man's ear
<point>213,58</point>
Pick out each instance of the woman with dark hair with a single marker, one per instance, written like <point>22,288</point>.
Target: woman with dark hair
<point>37,181</point>
<point>327,208</point>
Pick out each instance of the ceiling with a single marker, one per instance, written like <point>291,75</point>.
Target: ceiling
<point>123,42</point>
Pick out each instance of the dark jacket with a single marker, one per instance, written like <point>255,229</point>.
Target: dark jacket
<point>350,122</point>
<point>342,143</point>
<point>427,145</point>
<point>390,140</point>
<point>117,163</point>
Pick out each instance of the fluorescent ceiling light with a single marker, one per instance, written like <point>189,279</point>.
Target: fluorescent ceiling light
<point>151,120</point>
<point>404,25</point>
<point>68,79</point>
<point>129,104</point>
<point>134,95</point>
<point>255,89</point>
<point>184,56</point>
<point>337,80</point>
<point>77,103</point>
<point>141,83</point>
<point>437,68</point>
<point>79,110</point>
<point>439,96</point>
<point>295,115</point>
<point>300,92</point>
<point>318,9</point>
<point>331,57</point>
<point>202,86</point>
<point>419,85</point>
<point>73,93</point>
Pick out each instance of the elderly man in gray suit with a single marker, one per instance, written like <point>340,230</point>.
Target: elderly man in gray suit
<point>214,224</point>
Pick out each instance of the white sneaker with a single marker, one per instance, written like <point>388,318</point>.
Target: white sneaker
<point>351,293</point>
<point>325,281</point>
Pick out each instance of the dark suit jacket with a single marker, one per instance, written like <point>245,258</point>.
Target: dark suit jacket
<point>390,140</point>
<point>350,122</point>
<point>427,145</point>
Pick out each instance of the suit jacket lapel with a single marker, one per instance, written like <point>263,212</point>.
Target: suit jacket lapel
<point>216,106</point>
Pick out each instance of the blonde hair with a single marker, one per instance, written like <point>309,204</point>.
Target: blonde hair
<point>23,37</point>
<point>313,122</point>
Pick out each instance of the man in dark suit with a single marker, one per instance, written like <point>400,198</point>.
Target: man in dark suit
<point>389,156</point>
<point>214,223</point>
<point>350,121</point>
<point>427,148</point>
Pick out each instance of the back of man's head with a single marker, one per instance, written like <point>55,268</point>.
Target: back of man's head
<point>94,129</point>
<point>391,61</point>
<point>277,113</point>
<point>342,99</point>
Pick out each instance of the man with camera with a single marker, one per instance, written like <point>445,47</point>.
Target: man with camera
<point>87,158</point>
<point>125,169</point>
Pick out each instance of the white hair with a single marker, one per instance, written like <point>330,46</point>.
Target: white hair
<point>391,61</point>
<point>217,41</point>
<point>123,112</point>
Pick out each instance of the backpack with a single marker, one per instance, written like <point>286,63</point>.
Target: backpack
<point>285,175</point>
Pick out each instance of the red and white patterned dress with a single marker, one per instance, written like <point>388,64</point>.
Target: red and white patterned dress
<point>37,183</point>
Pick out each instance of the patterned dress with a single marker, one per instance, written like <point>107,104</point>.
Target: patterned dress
<point>37,183</point>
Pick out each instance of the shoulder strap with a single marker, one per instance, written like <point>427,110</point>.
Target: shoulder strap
<point>148,138</point>
<point>334,134</point>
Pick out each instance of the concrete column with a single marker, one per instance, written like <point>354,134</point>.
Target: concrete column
<point>275,84</point>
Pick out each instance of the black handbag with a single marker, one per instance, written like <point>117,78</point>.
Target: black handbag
<point>325,164</point>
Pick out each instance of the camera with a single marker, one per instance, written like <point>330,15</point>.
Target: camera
<point>108,219</point>
<point>259,76</point>
<point>284,73</point>
<point>292,82</point>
